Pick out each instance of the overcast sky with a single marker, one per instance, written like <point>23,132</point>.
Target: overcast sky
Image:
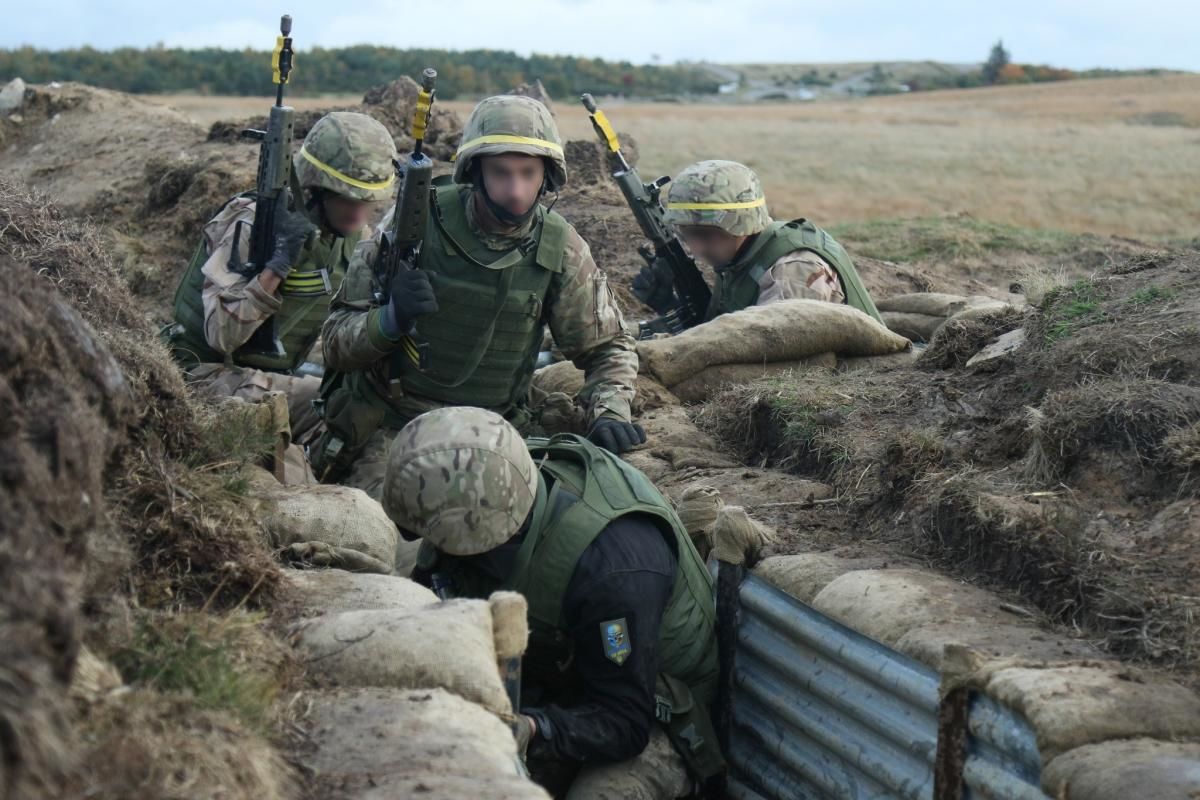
<point>1070,33</point>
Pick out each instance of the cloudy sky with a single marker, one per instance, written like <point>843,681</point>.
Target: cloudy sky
<point>1071,33</point>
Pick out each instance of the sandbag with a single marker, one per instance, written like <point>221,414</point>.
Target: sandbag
<point>673,437</point>
<point>785,331</point>
<point>1074,705</point>
<point>887,604</point>
<point>566,379</point>
<point>701,386</point>
<point>805,574</point>
<point>323,591</point>
<point>338,516</point>
<point>930,304</point>
<point>918,327</point>
<point>388,738</point>
<point>450,645</point>
<point>982,308</point>
<point>1143,768</point>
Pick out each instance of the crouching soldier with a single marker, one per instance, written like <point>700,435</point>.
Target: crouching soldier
<point>718,209</point>
<point>622,661</point>
<point>494,270</point>
<point>344,166</point>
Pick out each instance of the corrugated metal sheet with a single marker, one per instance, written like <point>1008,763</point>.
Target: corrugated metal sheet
<point>813,709</point>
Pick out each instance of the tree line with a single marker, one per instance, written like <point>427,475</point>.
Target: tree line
<point>467,73</point>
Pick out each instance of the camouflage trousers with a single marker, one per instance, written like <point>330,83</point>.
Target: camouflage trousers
<point>657,773</point>
<point>218,380</point>
<point>369,469</point>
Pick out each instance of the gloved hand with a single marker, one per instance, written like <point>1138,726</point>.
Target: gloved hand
<point>412,296</point>
<point>654,285</point>
<point>616,436</point>
<point>290,234</point>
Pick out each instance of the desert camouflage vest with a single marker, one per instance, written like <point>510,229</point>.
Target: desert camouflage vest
<point>483,340</point>
<point>737,285</point>
<point>306,294</point>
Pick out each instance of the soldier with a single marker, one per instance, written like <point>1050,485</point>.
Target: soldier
<point>719,210</point>
<point>494,269</point>
<point>344,166</point>
<point>621,608</point>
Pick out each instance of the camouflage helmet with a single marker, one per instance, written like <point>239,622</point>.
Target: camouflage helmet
<point>511,124</point>
<point>460,478</point>
<point>724,194</point>
<point>350,154</point>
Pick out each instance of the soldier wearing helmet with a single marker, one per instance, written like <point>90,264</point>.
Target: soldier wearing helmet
<point>719,210</point>
<point>495,268</point>
<point>344,166</point>
<point>621,666</point>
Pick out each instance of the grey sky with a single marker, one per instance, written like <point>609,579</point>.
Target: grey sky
<point>1070,33</point>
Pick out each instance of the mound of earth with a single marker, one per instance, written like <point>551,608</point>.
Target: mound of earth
<point>103,445</point>
<point>1049,453</point>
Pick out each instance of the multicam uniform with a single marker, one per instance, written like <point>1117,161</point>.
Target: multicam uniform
<point>622,623</point>
<point>496,293</point>
<point>780,260</point>
<point>217,310</point>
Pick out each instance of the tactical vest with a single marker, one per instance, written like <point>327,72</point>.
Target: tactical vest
<point>306,294</point>
<point>483,341</point>
<point>588,489</point>
<point>608,488</point>
<point>737,284</point>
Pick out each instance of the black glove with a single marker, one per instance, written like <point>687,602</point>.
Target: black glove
<point>654,285</point>
<point>616,436</point>
<point>290,234</point>
<point>668,323</point>
<point>412,296</point>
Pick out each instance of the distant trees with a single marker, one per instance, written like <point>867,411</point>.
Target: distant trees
<point>469,73</point>
<point>998,59</point>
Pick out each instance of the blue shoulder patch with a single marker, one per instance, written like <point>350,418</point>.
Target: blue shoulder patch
<point>614,635</point>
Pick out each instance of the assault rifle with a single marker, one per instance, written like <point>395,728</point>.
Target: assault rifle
<point>402,239</point>
<point>271,186</point>
<point>664,248</point>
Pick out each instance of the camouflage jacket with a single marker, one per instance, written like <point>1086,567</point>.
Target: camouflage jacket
<point>580,310</point>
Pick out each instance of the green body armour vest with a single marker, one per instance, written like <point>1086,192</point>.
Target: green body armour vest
<point>306,294</point>
<point>484,339</point>
<point>608,488</point>
<point>737,284</point>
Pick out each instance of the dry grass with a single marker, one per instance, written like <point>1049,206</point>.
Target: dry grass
<point>1115,156</point>
<point>1083,156</point>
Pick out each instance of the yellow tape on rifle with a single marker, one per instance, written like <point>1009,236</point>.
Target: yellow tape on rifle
<point>343,177</point>
<point>421,114</point>
<point>606,128</point>
<point>276,76</point>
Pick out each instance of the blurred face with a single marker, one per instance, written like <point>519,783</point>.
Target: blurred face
<point>513,181</point>
<point>711,244</point>
<point>346,216</point>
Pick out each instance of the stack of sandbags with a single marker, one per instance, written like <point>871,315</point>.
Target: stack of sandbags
<point>763,340</point>
<point>454,645</point>
<point>334,526</point>
<point>427,743</point>
<point>917,316</point>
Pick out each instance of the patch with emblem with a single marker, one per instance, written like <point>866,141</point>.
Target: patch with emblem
<point>615,637</point>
